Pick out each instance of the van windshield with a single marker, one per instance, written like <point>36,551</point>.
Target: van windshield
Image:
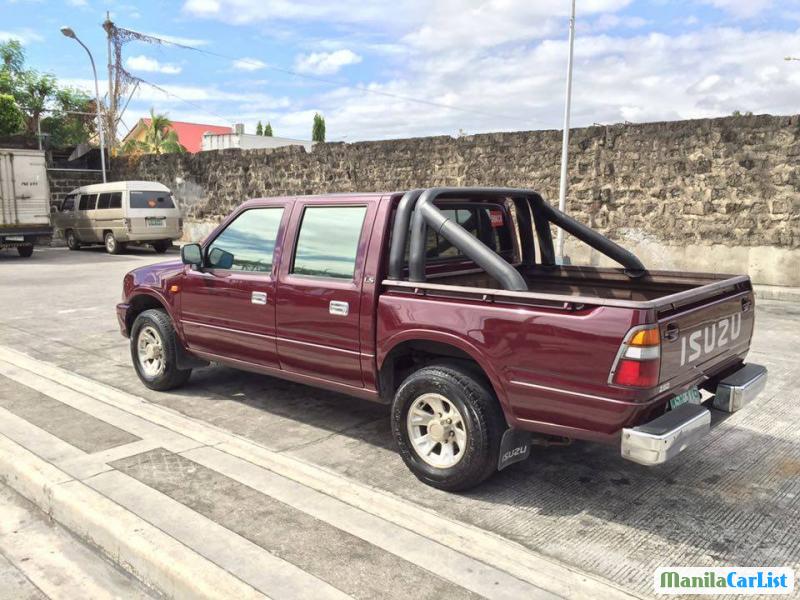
<point>151,200</point>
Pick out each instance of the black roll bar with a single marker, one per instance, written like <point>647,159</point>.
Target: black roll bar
<point>427,215</point>
<point>400,233</point>
<point>633,266</point>
<point>417,206</point>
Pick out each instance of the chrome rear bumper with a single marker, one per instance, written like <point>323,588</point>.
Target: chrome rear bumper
<point>736,390</point>
<point>659,440</point>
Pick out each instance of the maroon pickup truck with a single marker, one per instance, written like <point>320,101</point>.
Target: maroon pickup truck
<point>449,304</point>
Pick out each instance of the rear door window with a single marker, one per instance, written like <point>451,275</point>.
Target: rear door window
<point>151,200</point>
<point>248,242</point>
<point>103,201</point>
<point>115,200</point>
<point>328,241</point>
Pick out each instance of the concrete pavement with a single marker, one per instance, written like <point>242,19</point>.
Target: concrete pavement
<point>304,459</point>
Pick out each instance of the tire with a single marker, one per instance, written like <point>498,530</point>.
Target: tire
<point>25,251</point>
<point>155,323</point>
<point>112,245</point>
<point>162,246</point>
<point>481,419</point>
<point>72,240</point>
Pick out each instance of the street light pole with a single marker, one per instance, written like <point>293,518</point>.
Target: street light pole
<point>68,32</point>
<point>562,192</point>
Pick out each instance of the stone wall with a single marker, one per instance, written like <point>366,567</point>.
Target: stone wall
<point>63,181</point>
<point>710,194</point>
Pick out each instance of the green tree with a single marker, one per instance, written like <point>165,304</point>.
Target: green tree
<point>159,138</point>
<point>318,130</point>
<point>11,120</point>
<point>42,101</point>
<point>268,129</point>
<point>72,119</point>
<point>259,129</point>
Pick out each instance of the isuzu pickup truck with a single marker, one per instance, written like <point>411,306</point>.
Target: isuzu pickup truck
<point>449,305</point>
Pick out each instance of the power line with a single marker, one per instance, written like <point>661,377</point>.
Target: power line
<point>358,87</point>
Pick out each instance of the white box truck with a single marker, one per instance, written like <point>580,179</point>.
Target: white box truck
<point>24,200</point>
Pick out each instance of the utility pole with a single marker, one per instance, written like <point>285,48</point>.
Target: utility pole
<point>562,192</point>
<point>111,112</point>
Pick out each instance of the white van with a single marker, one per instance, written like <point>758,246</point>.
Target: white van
<point>119,213</point>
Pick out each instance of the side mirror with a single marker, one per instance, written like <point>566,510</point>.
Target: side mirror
<point>220,259</point>
<point>192,254</point>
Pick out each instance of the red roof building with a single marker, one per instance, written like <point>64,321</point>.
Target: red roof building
<point>190,135</point>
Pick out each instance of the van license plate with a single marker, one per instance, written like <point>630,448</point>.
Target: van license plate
<point>690,396</point>
<point>155,222</point>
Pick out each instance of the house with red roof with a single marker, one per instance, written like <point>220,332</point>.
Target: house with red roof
<point>190,135</point>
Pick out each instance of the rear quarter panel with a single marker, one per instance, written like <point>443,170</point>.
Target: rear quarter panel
<point>549,367</point>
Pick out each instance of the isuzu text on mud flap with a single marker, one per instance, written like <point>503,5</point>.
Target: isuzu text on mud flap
<point>448,304</point>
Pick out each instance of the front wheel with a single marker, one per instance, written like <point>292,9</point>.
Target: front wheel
<point>154,351</point>
<point>448,425</point>
<point>72,240</point>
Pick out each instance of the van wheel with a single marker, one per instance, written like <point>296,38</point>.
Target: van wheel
<point>162,246</point>
<point>72,240</point>
<point>448,425</point>
<point>25,251</point>
<point>153,350</point>
<point>112,245</point>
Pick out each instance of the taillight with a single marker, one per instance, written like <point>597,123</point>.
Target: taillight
<point>127,223</point>
<point>639,359</point>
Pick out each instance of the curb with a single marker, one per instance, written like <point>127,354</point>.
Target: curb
<point>157,560</point>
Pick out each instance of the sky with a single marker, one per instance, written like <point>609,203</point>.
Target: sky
<point>380,69</point>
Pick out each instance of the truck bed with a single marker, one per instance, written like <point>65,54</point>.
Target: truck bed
<point>601,285</point>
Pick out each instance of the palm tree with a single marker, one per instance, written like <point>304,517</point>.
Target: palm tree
<point>159,138</point>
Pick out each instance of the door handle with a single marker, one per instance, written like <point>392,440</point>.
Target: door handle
<point>671,332</point>
<point>747,304</point>
<point>339,308</point>
<point>258,298</point>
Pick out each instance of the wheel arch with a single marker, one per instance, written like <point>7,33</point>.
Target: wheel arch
<point>406,350</point>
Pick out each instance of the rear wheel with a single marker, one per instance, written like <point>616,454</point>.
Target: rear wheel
<point>448,425</point>
<point>113,246</point>
<point>72,240</point>
<point>25,251</point>
<point>162,246</point>
<point>154,351</point>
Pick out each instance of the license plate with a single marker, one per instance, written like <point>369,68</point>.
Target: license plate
<point>15,238</point>
<point>155,222</point>
<point>690,396</point>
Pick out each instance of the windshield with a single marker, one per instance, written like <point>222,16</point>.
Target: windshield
<point>151,200</point>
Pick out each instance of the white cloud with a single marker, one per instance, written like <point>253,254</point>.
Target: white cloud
<point>23,36</point>
<point>248,64</point>
<point>326,63</point>
<point>744,9</point>
<point>77,2</point>
<point>151,65</point>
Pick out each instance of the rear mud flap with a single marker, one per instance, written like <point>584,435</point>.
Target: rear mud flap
<point>514,447</point>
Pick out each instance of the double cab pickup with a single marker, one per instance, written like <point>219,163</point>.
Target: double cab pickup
<point>450,305</point>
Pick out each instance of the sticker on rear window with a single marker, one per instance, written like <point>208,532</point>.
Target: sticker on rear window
<point>496,217</point>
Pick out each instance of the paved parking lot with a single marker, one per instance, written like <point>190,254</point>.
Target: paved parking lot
<point>734,500</point>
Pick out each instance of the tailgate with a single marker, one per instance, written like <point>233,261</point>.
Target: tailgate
<point>699,341</point>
